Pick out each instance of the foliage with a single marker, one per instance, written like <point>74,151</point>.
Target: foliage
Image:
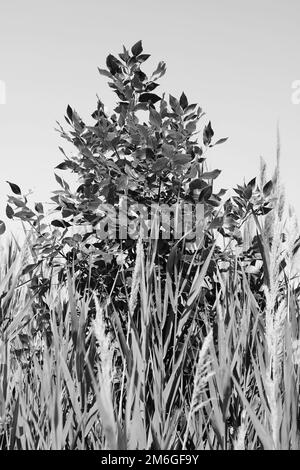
<point>123,161</point>
<point>127,343</point>
<point>78,386</point>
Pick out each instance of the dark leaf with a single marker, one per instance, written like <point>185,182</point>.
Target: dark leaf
<point>70,112</point>
<point>205,194</point>
<point>238,191</point>
<point>183,101</point>
<point>67,213</point>
<point>145,97</point>
<point>60,223</point>
<point>248,192</point>
<point>137,48</point>
<point>113,64</point>
<point>266,210</point>
<point>63,166</point>
<point>142,76</point>
<point>252,183</point>
<point>39,207</point>
<point>9,212</point>
<point>207,134</point>
<point>137,83</point>
<point>151,86</point>
<point>197,183</point>
<point>267,189</point>
<point>14,187</point>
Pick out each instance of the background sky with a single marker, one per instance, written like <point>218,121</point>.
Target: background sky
<point>236,58</point>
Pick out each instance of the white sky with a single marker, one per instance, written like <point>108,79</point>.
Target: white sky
<point>236,58</point>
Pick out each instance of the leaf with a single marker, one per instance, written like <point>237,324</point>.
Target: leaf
<point>191,127</point>
<point>9,212</point>
<point>67,213</point>
<point>213,201</point>
<point>142,107</point>
<point>29,268</point>
<point>160,164</point>
<point>155,118</point>
<point>205,194</point>
<point>267,189</point>
<point>183,101</point>
<point>137,48</point>
<point>266,210</point>
<point>211,175</point>
<point>60,223</point>
<point>145,97</point>
<point>113,64</point>
<point>197,184</point>
<point>39,207</point>
<point>151,86</point>
<point>143,57</point>
<point>16,201</point>
<point>14,187</point>
<point>25,214</point>
<point>248,192</point>
<point>70,112</point>
<point>207,134</point>
<point>252,183</point>
<point>174,103</point>
<point>137,83</point>
<point>124,55</point>
<point>105,73</point>
<point>2,227</point>
<point>221,141</point>
<point>59,180</point>
<point>63,166</point>
<point>160,70</point>
<point>190,108</point>
<point>222,192</point>
<point>62,151</point>
<point>181,159</point>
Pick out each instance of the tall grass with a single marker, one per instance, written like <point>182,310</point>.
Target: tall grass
<point>176,373</point>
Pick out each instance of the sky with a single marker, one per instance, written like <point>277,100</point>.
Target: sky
<point>238,59</point>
